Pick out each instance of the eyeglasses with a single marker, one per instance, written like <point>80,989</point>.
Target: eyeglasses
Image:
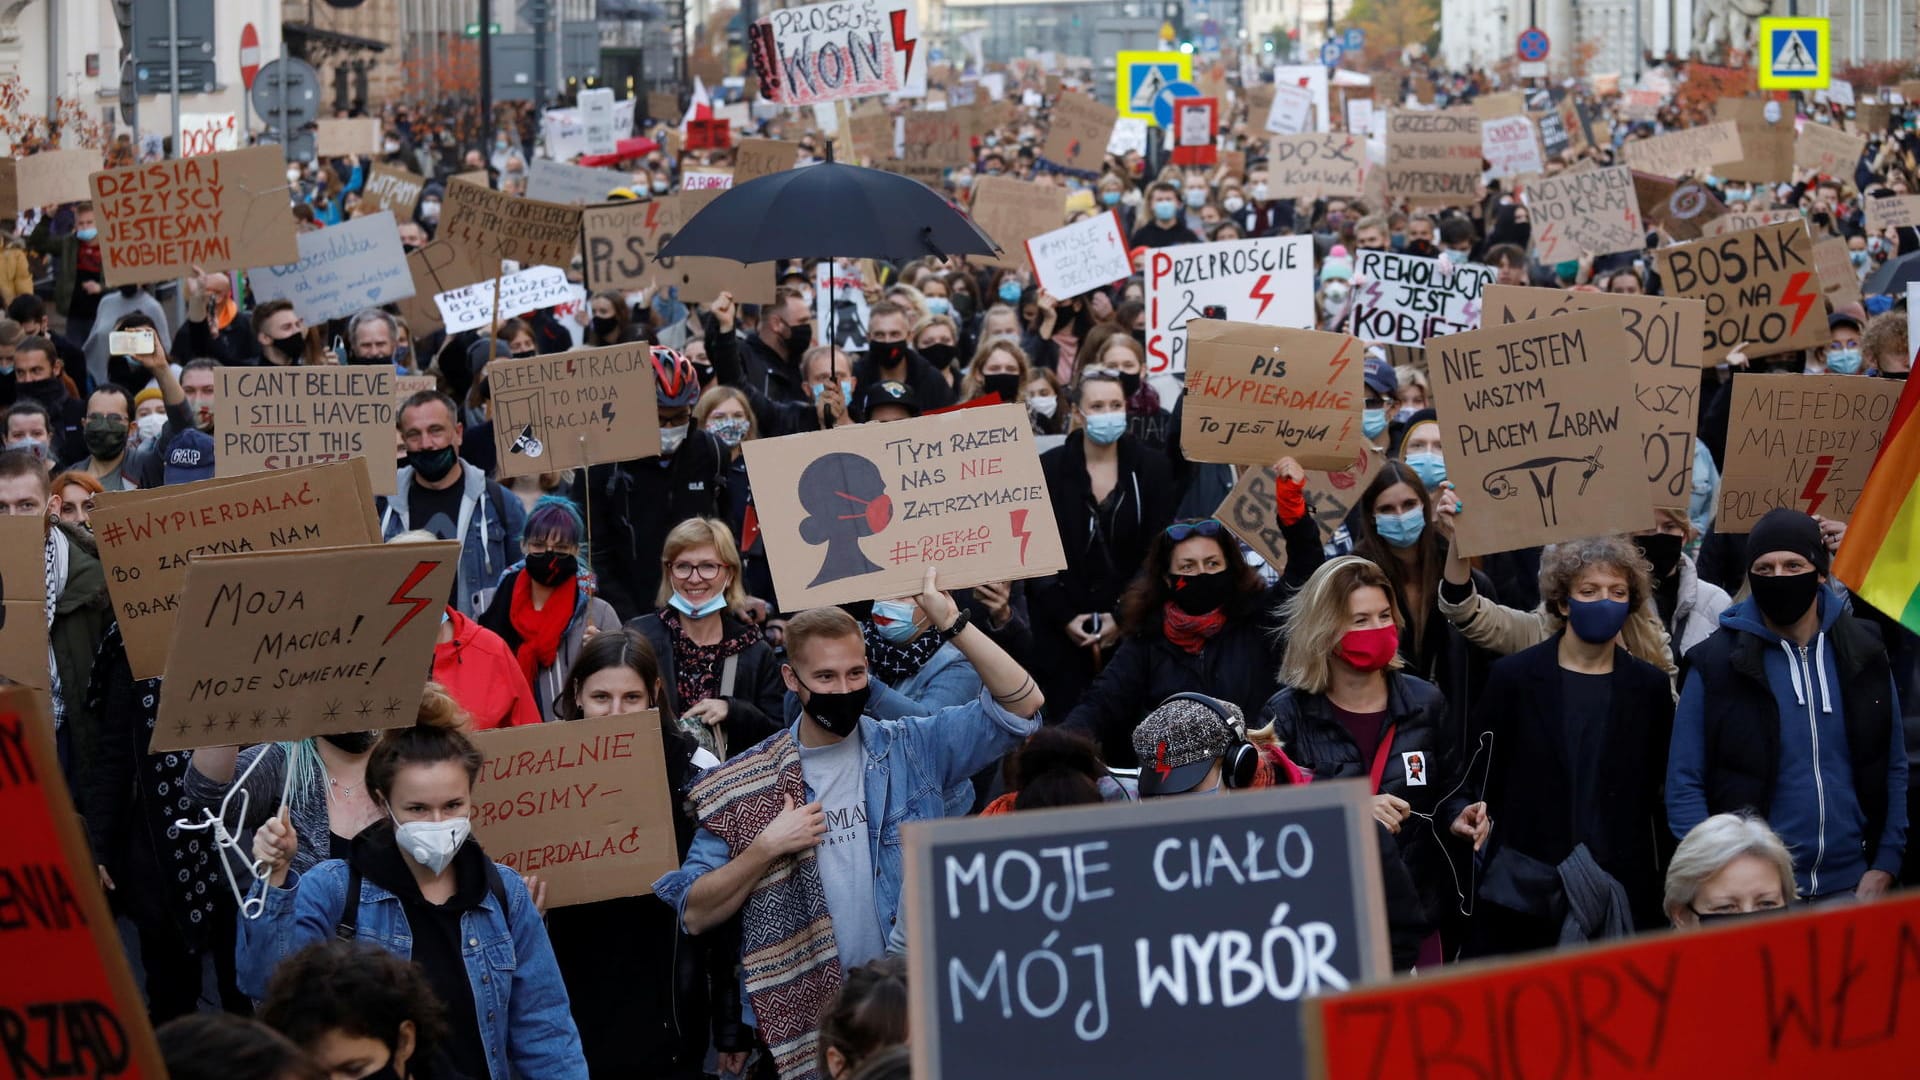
<point>705,571</point>
<point>1209,528</point>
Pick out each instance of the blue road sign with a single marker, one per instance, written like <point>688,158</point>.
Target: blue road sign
<point>1330,53</point>
<point>1163,101</point>
<point>1356,39</point>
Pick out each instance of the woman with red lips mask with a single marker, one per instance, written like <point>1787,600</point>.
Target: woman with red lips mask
<point>1347,711</point>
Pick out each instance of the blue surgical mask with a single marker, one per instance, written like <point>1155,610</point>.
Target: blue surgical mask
<point>1401,530</point>
<point>1107,427</point>
<point>939,305</point>
<point>1429,466</point>
<point>1844,361</point>
<point>893,620</point>
<point>1010,291</point>
<point>86,235</point>
<point>1110,198</point>
<point>1373,422</point>
<point>1858,259</point>
<point>684,606</point>
<point>1164,211</point>
<point>1596,622</point>
<point>1736,196</point>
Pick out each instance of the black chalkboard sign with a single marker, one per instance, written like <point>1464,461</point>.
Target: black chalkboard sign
<point>1171,938</point>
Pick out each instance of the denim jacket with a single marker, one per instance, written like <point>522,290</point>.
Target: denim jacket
<point>911,763</point>
<point>525,1019</point>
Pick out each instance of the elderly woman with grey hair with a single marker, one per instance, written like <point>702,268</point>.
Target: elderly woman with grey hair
<point>1728,866</point>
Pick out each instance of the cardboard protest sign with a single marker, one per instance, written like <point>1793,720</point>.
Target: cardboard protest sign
<point>1838,280</point>
<point>1313,78</point>
<point>860,513</point>
<point>435,269</point>
<point>584,407</point>
<point>1766,140</point>
<point>72,1008</point>
<point>485,226</point>
<point>1267,281</point>
<point>284,645</point>
<point>563,133</point>
<point>23,601</point>
<point>1759,286</point>
<point>1741,220</point>
<point>205,133</point>
<point>1256,394</point>
<point>597,126</point>
<point>221,211</point>
<point>355,136</point>
<point>584,804</point>
<point>1286,878</point>
<point>1012,212</point>
<point>1801,441</point>
<point>1433,158</point>
<point>45,178</point>
<point>754,158</point>
<point>1407,299</point>
<point>711,134</point>
<point>572,185</point>
<point>1685,152</point>
<point>475,306</point>
<point>1815,991</point>
<point>342,269</point>
<point>1081,127</point>
<point>1078,258</point>
<point>1537,416</point>
<point>1823,149</point>
<point>1313,166</point>
<point>826,52</point>
<point>1511,147</point>
<point>1291,112</point>
<point>1129,137</point>
<point>392,188</point>
<point>620,241</point>
<point>1592,212</point>
<point>147,537</point>
<point>1664,334</point>
<point>1681,208</point>
<point>1892,211</point>
<point>1495,106</point>
<point>872,135</point>
<point>272,418</point>
<point>663,105</point>
<point>932,141</point>
<point>1250,512</point>
<point>701,279</point>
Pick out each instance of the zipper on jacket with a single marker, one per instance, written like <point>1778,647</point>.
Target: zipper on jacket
<point>1819,779</point>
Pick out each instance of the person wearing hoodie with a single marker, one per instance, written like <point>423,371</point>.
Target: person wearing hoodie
<point>1789,711</point>
<point>544,609</point>
<point>453,501</point>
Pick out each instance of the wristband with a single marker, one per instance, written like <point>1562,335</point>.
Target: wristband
<point>953,629</point>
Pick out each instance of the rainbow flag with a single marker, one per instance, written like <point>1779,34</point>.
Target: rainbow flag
<point>1880,557</point>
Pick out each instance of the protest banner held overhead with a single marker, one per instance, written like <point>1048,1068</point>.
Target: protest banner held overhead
<point>1433,158</point>
<point>1314,166</point>
<point>352,266</point>
<point>1082,126</point>
<point>839,49</point>
<point>1075,259</point>
<point>1251,509</point>
<point>1541,431</point>
<point>1511,147</point>
<point>474,306</point>
<point>860,513</point>
<point>572,185</point>
<point>219,211</point>
<point>283,645</point>
<point>754,158</point>
<point>45,178</point>
<point>1267,281</point>
<point>1761,291</point>
<point>1592,212</point>
<point>1256,394</point>
<point>485,226</point>
<point>1013,212</point>
<point>620,240</point>
<point>585,805</point>
<point>392,188</point>
<point>1405,299</point>
<point>1287,878</point>
<point>1806,442</point>
<point>272,418</point>
<point>1691,151</point>
<point>572,409</point>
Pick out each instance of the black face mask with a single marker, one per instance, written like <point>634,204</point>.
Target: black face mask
<point>432,465</point>
<point>605,326</point>
<point>887,353</point>
<point>385,1072</point>
<point>940,356</point>
<point>524,355</point>
<point>353,742</point>
<point>1197,594</point>
<point>1662,550</point>
<point>1139,334</point>
<point>1006,384</point>
<point>799,339</point>
<point>1129,384</point>
<point>293,346</point>
<point>838,713</point>
<point>1783,599</point>
<point>1422,247</point>
<point>550,568</point>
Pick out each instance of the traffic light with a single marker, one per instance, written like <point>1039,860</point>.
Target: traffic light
<point>1176,17</point>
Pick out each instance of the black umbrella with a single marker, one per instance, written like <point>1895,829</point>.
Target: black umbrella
<point>829,211</point>
<point>1893,276</point>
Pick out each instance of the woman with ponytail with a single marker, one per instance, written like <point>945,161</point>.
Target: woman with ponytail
<point>416,884</point>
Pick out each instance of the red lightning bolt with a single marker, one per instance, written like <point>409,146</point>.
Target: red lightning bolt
<point>1373,292</point>
<point>1546,236</point>
<point>1160,761</point>
<point>653,215</point>
<point>420,571</point>
<point>1793,296</point>
<point>1812,492</point>
<point>1340,361</point>
<point>900,41</point>
<point>1020,530</point>
<point>1261,293</point>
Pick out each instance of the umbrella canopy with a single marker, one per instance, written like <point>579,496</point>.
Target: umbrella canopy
<point>1893,276</point>
<point>829,211</point>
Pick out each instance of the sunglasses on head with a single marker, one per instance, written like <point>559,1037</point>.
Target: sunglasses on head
<point>1181,530</point>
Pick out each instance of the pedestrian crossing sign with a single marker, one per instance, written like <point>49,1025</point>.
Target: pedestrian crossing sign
<point>1794,54</point>
<point>1140,75</point>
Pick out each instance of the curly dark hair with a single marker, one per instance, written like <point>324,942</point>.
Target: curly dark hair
<point>1146,597</point>
<point>1055,767</point>
<point>356,988</point>
<point>221,1046</point>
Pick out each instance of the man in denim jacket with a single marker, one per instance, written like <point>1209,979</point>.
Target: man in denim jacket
<point>801,834</point>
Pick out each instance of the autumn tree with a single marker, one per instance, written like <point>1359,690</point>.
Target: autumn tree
<point>1393,25</point>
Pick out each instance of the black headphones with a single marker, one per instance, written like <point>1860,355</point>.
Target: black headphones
<point>1242,759</point>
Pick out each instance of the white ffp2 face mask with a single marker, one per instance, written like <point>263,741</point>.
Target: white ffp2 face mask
<point>432,844</point>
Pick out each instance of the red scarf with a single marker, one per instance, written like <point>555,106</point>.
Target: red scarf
<point>1190,633</point>
<point>540,629</point>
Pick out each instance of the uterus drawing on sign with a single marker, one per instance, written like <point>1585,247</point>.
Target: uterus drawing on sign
<point>1542,472</point>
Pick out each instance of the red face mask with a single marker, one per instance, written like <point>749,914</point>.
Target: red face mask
<point>1369,650</point>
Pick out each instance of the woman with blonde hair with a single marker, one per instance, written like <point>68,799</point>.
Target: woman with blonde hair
<point>727,412</point>
<point>1728,866</point>
<point>720,677</point>
<point>999,367</point>
<point>1346,710</point>
<point>937,339</point>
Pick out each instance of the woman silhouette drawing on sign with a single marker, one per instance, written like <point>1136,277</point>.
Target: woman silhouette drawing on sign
<point>845,500</point>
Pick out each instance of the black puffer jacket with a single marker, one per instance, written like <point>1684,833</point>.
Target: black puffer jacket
<point>753,710</point>
<point>633,505</point>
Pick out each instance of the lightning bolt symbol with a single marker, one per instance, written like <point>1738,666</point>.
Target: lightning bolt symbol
<point>1546,236</point>
<point>653,215</point>
<point>1794,296</point>
<point>900,42</point>
<point>1373,292</point>
<point>606,410</point>
<point>1160,761</point>
<point>1020,530</point>
<point>1073,149</point>
<point>1812,492</point>
<point>420,572</point>
<point>1261,293</point>
<point>1340,361</point>
<point>1345,429</point>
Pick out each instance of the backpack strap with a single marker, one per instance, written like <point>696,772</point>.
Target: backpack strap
<point>349,922</point>
<point>498,887</point>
